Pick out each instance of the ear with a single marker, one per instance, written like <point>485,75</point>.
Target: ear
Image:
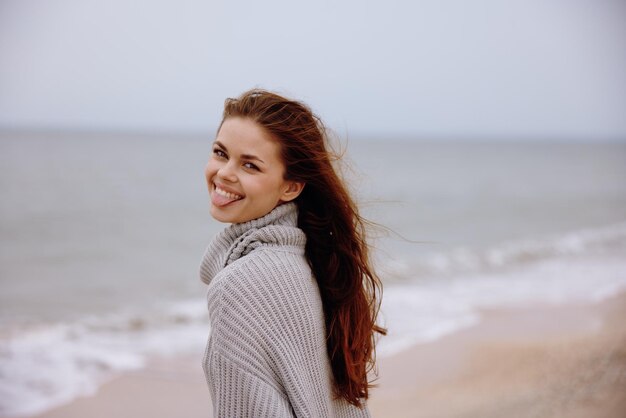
<point>292,190</point>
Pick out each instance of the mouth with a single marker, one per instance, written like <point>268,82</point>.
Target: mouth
<point>221,197</point>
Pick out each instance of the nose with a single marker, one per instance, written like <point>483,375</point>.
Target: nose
<point>227,172</point>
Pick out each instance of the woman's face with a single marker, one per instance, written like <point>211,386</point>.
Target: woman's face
<point>245,173</point>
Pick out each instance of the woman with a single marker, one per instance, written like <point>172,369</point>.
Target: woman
<point>292,295</point>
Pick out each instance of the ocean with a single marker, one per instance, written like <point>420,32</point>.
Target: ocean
<point>101,237</point>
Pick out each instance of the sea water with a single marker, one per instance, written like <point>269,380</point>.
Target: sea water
<point>101,237</point>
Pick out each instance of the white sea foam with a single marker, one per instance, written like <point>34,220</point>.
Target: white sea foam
<point>513,254</point>
<point>50,365</point>
<point>426,310</point>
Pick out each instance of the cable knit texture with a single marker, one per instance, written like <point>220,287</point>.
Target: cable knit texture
<point>266,355</point>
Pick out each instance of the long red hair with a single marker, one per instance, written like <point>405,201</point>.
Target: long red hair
<point>336,246</point>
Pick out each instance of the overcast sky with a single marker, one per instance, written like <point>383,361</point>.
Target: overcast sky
<point>455,68</point>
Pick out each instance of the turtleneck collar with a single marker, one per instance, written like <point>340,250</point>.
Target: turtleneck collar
<point>279,227</point>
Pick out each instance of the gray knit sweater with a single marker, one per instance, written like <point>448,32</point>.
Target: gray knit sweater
<point>266,355</point>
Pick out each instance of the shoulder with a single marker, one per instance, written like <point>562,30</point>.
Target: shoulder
<point>266,267</point>
<point>269,287</point>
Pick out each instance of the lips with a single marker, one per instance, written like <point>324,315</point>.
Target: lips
<point>222,197</point>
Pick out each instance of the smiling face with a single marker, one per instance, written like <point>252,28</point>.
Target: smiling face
<point>245,174</point>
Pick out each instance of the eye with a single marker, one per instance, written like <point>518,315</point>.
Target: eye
<point>251,166</point>
<point>219,153</point>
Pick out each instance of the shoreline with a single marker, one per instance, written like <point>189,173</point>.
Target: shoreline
<point>535,361</point>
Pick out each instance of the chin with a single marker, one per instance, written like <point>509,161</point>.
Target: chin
<point>235,214</point>
<point>219,215</point>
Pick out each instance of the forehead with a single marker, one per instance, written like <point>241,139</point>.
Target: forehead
<point>244,136</point>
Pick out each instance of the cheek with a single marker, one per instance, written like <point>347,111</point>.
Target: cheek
<point>268,189</point>
<point>209,170</point>
<point>208,175</point>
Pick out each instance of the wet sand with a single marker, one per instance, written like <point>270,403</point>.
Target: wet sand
<point>561,362</point>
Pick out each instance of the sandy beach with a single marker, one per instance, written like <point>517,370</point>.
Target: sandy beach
<point>566,361</point>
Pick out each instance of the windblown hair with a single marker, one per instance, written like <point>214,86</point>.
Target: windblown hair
<point>336,246</point>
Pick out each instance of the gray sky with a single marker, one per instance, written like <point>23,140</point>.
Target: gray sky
<point>457,68</point>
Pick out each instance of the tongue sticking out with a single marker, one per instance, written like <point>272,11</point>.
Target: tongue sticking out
<point>219,200</point>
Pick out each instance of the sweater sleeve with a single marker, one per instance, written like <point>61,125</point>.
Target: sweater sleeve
<point>240,393</point>
<point>268,329</point>
<point>267,349</point>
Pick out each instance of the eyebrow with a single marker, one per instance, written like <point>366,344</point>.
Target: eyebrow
<point>243,156</point>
